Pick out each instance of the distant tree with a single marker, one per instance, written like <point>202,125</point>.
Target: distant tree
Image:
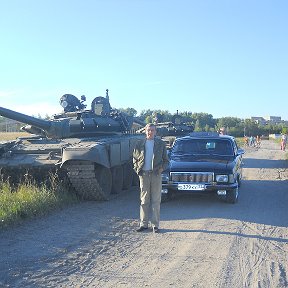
<point>201,120</point>
<point>251,127</point>
<point>129,111</point>
<point>207,128</point>
<point>284,130</point>
<point>161,115</point>
<point>228,122</point>
<point>197,126</point>
<point>145,113</point>
<point>149,119</point>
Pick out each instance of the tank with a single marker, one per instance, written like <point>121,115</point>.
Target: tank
<point>169,131</point>
<point>92,148</point>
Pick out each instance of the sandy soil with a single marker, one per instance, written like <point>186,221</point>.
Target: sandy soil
<point>203,242</point>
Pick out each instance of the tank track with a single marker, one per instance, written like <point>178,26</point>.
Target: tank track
<point>82,176</point>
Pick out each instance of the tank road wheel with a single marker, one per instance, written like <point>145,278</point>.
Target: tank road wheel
<point>117,179</point>
<point>89,181</point>
<point>127,175</point>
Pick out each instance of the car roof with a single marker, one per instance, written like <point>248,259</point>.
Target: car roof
<point>206,135</point>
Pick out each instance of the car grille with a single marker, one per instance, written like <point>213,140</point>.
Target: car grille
<point>192,177</point>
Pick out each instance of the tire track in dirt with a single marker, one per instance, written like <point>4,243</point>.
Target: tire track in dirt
<point>203,241</point>
<point>264,263</point>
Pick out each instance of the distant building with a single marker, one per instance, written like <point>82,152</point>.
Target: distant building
<point>273,119</point>
<point>267,120</point>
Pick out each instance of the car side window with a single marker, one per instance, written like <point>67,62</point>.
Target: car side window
<point>235,148</point>
<point>224,148</point>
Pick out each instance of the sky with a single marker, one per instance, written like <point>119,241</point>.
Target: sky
<point>228,58</point>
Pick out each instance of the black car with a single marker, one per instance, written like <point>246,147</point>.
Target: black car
<point>204,162</point>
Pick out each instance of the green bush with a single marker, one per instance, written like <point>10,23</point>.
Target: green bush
<point>28,200</point>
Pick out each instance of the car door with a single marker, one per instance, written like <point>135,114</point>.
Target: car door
<point>238,160</point>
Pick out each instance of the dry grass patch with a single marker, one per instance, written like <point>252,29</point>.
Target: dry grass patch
<point>6,136</point>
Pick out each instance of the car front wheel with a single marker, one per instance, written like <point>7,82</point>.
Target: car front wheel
<point>232,195</point>
<point>166,196</point>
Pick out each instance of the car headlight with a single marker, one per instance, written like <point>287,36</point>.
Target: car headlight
<point>222,178</point>
<point>225,178</point>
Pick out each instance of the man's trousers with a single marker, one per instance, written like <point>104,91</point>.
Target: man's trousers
<point>150,197</point>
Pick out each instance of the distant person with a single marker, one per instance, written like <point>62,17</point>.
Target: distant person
<point>149,160</point>
<point>246,141</point>
<point>283,141</point>
<point>250,140</point>
<point>222,131</point>
<point>258,141</point>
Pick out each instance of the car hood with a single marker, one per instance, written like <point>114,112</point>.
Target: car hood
<point>201,164</point>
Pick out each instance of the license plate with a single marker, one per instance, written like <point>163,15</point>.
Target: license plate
<point>191,187</point>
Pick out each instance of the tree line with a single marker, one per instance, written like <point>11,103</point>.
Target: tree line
<point>234,126</point>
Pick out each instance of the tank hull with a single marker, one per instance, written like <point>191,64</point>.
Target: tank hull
<point>96,167</point>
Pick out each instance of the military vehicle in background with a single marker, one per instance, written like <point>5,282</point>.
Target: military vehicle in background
<point>93,147</point>
<point>170,130</point>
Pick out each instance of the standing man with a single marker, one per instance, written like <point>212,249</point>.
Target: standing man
<point>149,160</point>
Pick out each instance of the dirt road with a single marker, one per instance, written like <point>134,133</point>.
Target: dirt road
<point>203,242</point>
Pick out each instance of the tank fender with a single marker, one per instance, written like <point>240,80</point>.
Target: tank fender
<point>96,153</point>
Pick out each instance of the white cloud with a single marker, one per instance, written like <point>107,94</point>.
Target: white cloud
<point>30,103</point>
<point>40,108</point>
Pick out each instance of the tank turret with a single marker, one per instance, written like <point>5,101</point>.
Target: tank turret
<point>75,120</point>
<point>176,127</point>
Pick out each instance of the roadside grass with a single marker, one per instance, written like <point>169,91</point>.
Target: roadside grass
<point>6,136</point>
<point>28,200</point>
<point>240,142</point>
<point>278,141</point>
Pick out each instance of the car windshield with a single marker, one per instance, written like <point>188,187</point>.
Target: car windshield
<point>203,147</point>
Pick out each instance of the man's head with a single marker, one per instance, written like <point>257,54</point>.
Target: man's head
<point>150,130</point>
<point>222,131</point>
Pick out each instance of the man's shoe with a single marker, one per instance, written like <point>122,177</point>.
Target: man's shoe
<point>141,229</point>
<point>155,229</point>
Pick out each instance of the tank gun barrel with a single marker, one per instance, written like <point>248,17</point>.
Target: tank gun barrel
<point>85,124</point>
<point>39,123</point>
<point>75,121</point>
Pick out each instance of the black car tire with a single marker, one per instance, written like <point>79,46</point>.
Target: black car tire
<point>232,195</point>
<point>166,197</point>
<point>239,180</point>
